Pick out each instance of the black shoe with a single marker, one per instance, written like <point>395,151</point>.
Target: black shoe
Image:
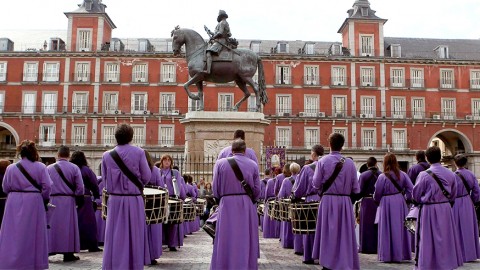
<point>153,262</point>
<point>173,249</point>
<point>70,258</point>
<point>95,249</point>
<point>325,268</point>
<point>52,254</point>
<point>299,253</point>
<point>309,262</point>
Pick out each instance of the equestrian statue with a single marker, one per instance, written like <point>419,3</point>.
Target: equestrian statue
<point>219,61</point>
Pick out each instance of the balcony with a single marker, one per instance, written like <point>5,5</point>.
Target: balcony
<point>111,77</point>
<point>366,82</point>
<point>311,81</point>
<point>283,80</point>
<point>51,78</point>
<point>447,84</point>
<point>475,84</point>
<point>416,83</point>
<point>30,78</point>
<point>169,111</point>
<point>81,78</point>
<point>397,83</point>
<point>339,82</point>
<point>367,52</point>
<point>168,79</point>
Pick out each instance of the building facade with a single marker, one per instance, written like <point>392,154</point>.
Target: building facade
<point>382,93</point>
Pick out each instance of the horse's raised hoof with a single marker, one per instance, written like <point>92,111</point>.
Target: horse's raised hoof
<point>194,97</point>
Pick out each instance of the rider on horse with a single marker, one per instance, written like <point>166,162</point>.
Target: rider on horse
<point>219,38</point>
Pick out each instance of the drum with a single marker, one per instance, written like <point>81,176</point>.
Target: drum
<point>411,219</point>
<point>200,206</point>
<point>273,210</point>
<point>356,208</point>
<point>175,211</point>
<point>260,208</point>
<point>189,212</point>
<point>284,209</point>
<point>304,217</point>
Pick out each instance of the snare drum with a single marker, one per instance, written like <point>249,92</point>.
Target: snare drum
<point>260,208</point>
<point>284,209</point>
<point>304,217</point>
<point>200,206</point>
<point>175,211</point>
<point>189,212</point>
<point>411,219</point>
<point>273,210</point>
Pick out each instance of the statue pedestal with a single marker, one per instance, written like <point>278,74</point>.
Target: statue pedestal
<point>207,133</point>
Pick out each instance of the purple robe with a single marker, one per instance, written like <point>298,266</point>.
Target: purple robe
<point>24,227</point>
<point>188,225</point>
<point>271,227</point>
<point>303,188</point>
<point>63,235</point>
<point>87,224</point>
<point>465,217</point>
<point>195,226</point>
<point>227,152</point>
<point>263,186</point>
<point>335,242</point>
<point>153,239</point>
<point>125,228</point>
<point>416,169</point>
<point>368,209</point>
<point>173,233</point>
<point>237,221</point>
<point>3,199</point>
<point>278,183</point>
<point>98,214</point>
<point>438,245</point>
<point>286,231</point>
<point>393,236</point>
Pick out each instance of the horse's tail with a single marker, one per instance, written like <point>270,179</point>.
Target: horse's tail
<point>262,86</point>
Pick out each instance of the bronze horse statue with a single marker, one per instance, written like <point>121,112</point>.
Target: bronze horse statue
<point>241,69</point>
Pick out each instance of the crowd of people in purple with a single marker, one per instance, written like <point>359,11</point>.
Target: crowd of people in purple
<point>53,209</point>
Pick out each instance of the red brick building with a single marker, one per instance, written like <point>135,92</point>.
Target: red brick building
<point>382,93</point>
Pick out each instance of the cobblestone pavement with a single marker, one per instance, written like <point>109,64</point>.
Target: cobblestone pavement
<point>197,251</point>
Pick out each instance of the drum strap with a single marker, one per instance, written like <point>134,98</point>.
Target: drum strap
<point>29,178</point>
<point>312,166</point>
<point>126,171</point>
<point>329,182</point>
<point>60,173</point>
<point>465,183</point>
<point>423,166</point>
<point>239,175</point>
<point>444,191</point>
<point>394,182</point>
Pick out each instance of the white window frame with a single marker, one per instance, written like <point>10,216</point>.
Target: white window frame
<point>338,109</point>
<point>312,137</point>
<point>2,101</point>
<point>447,78</point>
<point>49,106</point>
<point>30,71</point>
<point>84,39</point>
<point>3,71</point>
<point>397,77</point>
<point>139,108</point>
<point>252,103</point>
<point>51,71</point>
<point>339,75</point>
<point>109,139</point>
<point>442,52</point>
<point>395,51</point>
<point>283,136</point>
<point>399,107</point>
<point>167,102</point>
<point>168,73</point>
<point>367,106</point>
<point>367,44</point>
<point>49,138</point>
<point>418,107</point>
<point>310,48</point>
<point>282,47</point>
<point>110,107</point>
<point>77,106</point>
<point>310,75</point>
<point>112,72</point>
<point>140,73</point>
<point>82,71</point>
<point>367,142</point>
<point>311,105</point>
<point>139,135</point>
<point>367,76</point>
<point>417,81</point>
<point>225,102</point>
<point>255,47</point>
<point>476,108</point>
<point>283,104</point>
<point>284,74</point>
<point>166,135</point>
<point>474,79</point>
<point>193,104</point>
<point>399,141</point>
<point>79,139</point>
<point>29,108</point>
<point>344,132</point>
<point>449,112</point>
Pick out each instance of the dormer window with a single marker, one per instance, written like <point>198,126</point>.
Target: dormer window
<point>282,47</point>
<point>88,6</point>
<point>84,40</point>
<point>255,46</point>
<point>442,52</point>
<point>144,45</point>
<point>395,50</point>
<point>366,45</point>
<point>309,48</point>
<point>364,11</point>
<point>336,49</point>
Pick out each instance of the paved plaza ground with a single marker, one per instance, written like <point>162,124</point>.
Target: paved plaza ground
<point>197,251</point>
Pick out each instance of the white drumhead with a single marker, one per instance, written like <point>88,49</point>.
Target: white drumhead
<point>152,191</point>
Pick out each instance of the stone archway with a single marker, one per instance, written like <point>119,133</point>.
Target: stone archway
<point>452,141</point>
<point>8,136</point>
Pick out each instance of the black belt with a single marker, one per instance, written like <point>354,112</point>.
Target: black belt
<point>233,194</point>
<point>62,195</point>
<point>26,191</point>
<point>465,195</point>
<point>124,195</point>
<point>311,194</point>
<point>333,194</point>
<point>391,194</point>
<point>428,203</point>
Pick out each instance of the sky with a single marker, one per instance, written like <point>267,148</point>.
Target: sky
<point>307,20</point>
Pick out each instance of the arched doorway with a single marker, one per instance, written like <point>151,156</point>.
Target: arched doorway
<point>8,141</point>
<point>451,142</point>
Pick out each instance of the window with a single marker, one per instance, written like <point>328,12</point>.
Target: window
<point>448,108</point>
<point>368,139</point>
<point>110,103</point>
<point>30,72</point>
<point>282,47</point>
<point>109,135</point>
<point>49,103</point>
<point>397,78</point>
<point>252,103</point>
<point>112,72</point>
<point>476,109</point>
<point>395,50</point>
<point>447,79</point>
<point>399,107</point>
<point>399,139</point>
<point>225,102</point>
<point>339,106</point>
<point>367,76</point>
<point>80,102</point>
<point>193,105</point>
<point>284,105</point>
<point>138,135</point>
<point>474,79</point>
<point>139,103</point>
<point>255,47</point>
<point>3,71</point>
<point>168,73</point>
<point>309,48</point>
<point>140,73</point>
<point>342,131</point>
<point>166,136</point>
<point>79,135</point>
<point>29,100</point>
<point>284,137</point>
<point>82,72</point>
<point>2,101</point>
<point>311,137</point>
<point>311,107</point>
<point>339,76</point>
<point>255,77</point>
<point>418,108</point>
<point>442,51</point>
<point>283,75</point>
<point>167,103</point>
<point>366,45</point>
<point>84,40</point>
<point>367,107</point>
<point>416,78</point>
<point>47,135</point>
<point>311,75</point>
<point>364,11</point>
<point>51,72</point>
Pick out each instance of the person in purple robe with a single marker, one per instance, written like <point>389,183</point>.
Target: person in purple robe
<point>421,166</point>
<point>303,188</point>
<point>368,208</point>
<point>392,188</point>
<point>437,246</point>
<point>3,196</point>
<point>23,238</point>
<point>191,195</point>
<point>87,223</point>
<point>468,194</point>
<point>286,232</point>
<point>335,242</point>
<point>271,227</point>
<point>125,229</point>
<point>236,243</point>
<point>173,233</point>
<point>227,151</point>
<point>194,225</point>
<point>98,213</point>
<point>263,186</point>
<point>64,235</point>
